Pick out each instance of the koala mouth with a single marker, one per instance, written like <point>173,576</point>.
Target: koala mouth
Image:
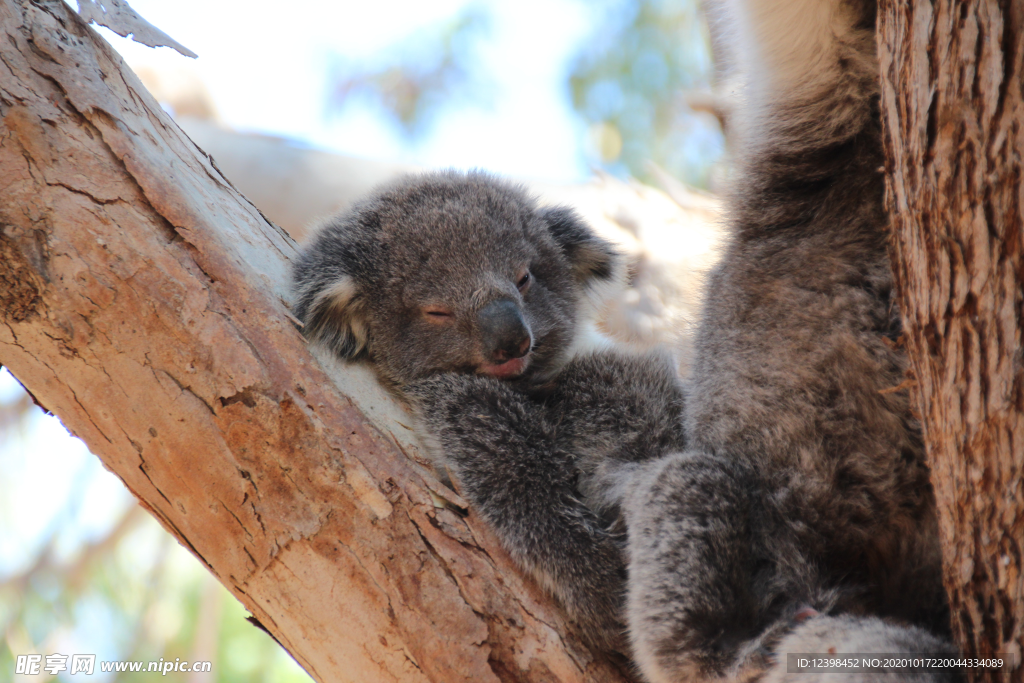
<point>510,368</point>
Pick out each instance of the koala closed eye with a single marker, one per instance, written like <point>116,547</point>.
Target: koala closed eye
<point>438,315</point>
<point>451,241</point>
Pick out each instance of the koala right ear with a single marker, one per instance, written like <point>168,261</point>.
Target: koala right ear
<point>592,258</point>
<point>333,316</point>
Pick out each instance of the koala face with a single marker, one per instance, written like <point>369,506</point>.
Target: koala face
<point>450,272</point>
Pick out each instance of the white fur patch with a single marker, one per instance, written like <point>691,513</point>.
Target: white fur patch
<point>338,299</point>
<point>784,51</point>
<point>338,295</point>
<point>588,339</point>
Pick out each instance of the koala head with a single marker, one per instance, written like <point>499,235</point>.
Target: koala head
<point>450,272</point>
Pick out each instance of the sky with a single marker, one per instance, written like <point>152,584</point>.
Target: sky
<point>268,69</point>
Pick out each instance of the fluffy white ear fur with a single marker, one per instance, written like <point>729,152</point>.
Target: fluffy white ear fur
<point>336,320</point>
<point>596,295</point>
<point>783,51</point>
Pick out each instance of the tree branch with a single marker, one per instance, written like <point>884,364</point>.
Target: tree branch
<point>142,302</point>
<point>953,110</point>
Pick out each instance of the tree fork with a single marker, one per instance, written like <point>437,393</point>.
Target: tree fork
<point>952,74</point>
<point>142,302</point>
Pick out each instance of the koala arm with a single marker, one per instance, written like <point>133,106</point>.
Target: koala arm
<point>503,448</point>
<point>623,409</point>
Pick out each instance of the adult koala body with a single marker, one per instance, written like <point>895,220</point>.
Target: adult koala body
<point>464,295</point>
<point>800,511</point>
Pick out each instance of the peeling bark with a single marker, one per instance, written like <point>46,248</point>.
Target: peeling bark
<point>952,75</point>
<point>142,302</point>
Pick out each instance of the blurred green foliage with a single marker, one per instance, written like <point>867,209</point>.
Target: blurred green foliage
<point>628,83</point>
<point>420,77</point>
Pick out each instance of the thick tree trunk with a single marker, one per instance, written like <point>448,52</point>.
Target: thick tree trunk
<point>141,301</point>
<point>952,76</point>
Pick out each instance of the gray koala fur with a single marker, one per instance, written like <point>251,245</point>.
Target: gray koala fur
<point>542,465</point>
<point>374,281</point>
<point>791,511</point>
<point>834,636</point>
<point>528,446</point>
<point>803,491</point>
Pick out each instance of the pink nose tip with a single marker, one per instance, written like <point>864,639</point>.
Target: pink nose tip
<point>502,355</point>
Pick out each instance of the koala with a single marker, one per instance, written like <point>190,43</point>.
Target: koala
<point>452,273</point>
<point>463,294</point>
<point>799,517</point>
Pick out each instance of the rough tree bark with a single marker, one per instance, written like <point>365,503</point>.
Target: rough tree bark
<point>141,301</point>
<point>952,103</point>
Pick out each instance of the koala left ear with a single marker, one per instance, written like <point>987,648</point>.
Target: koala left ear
<point>332,311</point>
<point>592,258</point>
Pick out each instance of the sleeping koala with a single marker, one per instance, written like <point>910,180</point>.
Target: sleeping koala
<point>449,272</point>
<point>461,292</point>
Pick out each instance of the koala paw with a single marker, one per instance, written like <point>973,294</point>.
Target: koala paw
<point>480,424</point>
<point>444,399</point>
<point>465,411</point>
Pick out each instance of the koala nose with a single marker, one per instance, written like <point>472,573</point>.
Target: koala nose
<point>504,333</point>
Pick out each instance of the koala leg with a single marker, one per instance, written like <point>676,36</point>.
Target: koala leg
<point>700,588</point>
<point>503,449</point>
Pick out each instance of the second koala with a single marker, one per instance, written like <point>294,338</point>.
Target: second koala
<point>460,290</point>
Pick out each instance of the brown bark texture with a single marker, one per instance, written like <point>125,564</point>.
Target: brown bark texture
<point>141,300</point>
<point>952,74</point>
